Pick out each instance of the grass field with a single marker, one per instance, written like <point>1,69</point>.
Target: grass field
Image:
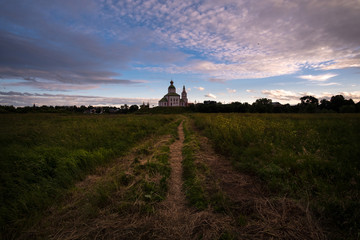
<point>43,154</point>
<point>314,158</point>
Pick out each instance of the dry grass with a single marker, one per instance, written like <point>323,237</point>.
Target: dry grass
<point>257,213</point>
<point>172,218</point>
<point>252,213</point>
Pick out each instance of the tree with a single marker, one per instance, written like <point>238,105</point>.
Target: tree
<point>133,108</point>
<point>263,105</point>
<point>309,104</point>
<point>325,104</point>
<point>336,102</point>
<point>306,100</point>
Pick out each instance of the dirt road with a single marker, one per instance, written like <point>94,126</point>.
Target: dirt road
<point>251,212</point>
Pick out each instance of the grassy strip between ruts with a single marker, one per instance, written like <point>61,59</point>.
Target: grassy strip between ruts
<point>144,183</point>
<point>43,154</point>
<point>314,158</point>
<point>200,189</point>
<point>193,187</point>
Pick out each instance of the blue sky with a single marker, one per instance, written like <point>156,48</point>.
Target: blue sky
<point>107,52</point>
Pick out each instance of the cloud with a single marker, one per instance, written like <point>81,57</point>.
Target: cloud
<point>281,94</point>
<point>210,95</point>
<point>285,96</point>
<point>231,90</point>
<point>28,99</point>
<point>355,95</point>
<point>61,80</point>
<point>71,49</point>
<point>217,80</point>
<point>318,78</point>
<point>199,88</point>
<point>32,60</point>
<point>250,90</point>
<point>50,86</point>
<point>90,42</point>
<point>254,39</point>
<point>329,84</point>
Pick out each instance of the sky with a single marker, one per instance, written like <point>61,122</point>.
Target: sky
<point>107,52</point>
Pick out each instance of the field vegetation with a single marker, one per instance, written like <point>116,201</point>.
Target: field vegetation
<point>200,187</point>
<point>119,196</point>
<point>106,169</point>
<point>313,158</point>
<point>42,155</point>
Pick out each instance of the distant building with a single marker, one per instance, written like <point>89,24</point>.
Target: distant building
<point>172,99</point>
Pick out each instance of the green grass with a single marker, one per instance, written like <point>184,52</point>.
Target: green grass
<point>135,189</point>
<point>200,187</point>
<point>194,190</point>
<point>313,158</point>
<point>44,154</point>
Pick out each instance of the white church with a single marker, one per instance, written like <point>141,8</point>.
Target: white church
<point>172,99</point>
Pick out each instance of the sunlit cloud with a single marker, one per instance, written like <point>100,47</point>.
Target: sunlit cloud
<point>355,95</point>
<point>80,45</point>
<point>210,95</point>
<point>280,94</point>
<point>244,45</point>
<point>199,88</point>
<point>329,84</point>
<point>318,78</point>
<point>250,90</point>
<point>285,96</point>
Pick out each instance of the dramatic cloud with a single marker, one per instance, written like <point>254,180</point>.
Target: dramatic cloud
<point>24,58</point>
<point>254,39</point>
<point>34,44</point>
<point>62,80</point>
<point>82,45</point>
<point>210,95</point>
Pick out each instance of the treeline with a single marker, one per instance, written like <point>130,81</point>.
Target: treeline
<point>308,104</point>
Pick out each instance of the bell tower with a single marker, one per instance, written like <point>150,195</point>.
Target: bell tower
<point>184,96</point>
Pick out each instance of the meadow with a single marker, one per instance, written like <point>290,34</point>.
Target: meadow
<point>312,158</point>
<point>42,155</point>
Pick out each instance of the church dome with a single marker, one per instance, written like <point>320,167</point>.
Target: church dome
<point>171,84</point>
<point>171,88</point>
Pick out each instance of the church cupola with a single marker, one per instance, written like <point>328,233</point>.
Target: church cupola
<point>171,88</point>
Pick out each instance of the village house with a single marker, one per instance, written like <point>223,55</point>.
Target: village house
<point>172,99</point>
